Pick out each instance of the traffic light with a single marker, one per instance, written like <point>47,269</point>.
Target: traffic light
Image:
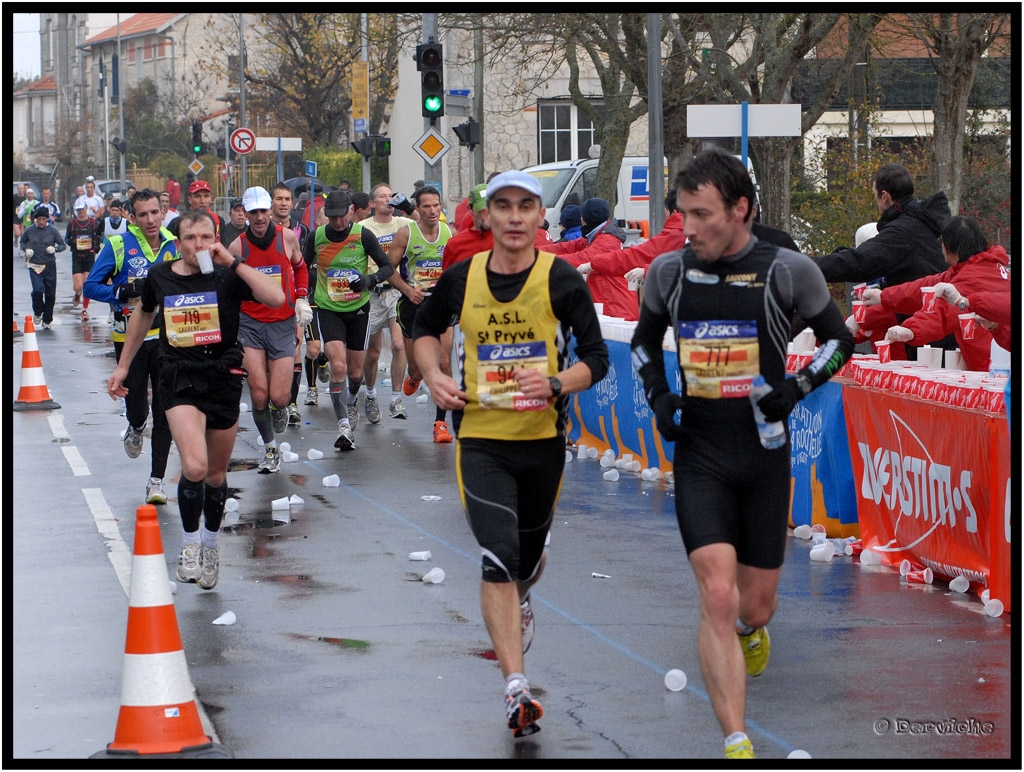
<point>468,133</point>
<point>430,63</point>
<point>364,147</point>
<point>381,147</point>
<point>119,144</point>
<point>197,137</point>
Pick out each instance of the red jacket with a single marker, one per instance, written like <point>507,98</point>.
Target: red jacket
<point>984,272</point>
<point>669,239</point>
<point>995,307</point>
<point>464,244</point>
<point>606,286</point>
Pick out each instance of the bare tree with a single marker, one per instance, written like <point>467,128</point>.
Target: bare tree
<point>956,43</point>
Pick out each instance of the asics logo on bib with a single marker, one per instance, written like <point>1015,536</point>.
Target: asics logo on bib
<point>505,352</point>
<point>182,300</point>
<point>706,330</point>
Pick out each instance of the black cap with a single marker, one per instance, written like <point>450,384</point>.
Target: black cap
<point>235,202</point>
<point>338,203</point>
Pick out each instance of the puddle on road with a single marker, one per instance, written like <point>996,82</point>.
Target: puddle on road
<point>344,643</point>
<point>242,464</point>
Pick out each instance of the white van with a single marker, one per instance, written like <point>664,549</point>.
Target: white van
<point>563,180</point>
<point>577,181</point>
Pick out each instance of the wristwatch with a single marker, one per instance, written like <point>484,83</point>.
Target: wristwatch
<point>804,383</point>
<point>556,387</point>
<point>963,303</point>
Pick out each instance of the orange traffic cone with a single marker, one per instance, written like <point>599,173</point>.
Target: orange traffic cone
<point>33,395</point>
<point>16,332</point>
<point>159,717</point>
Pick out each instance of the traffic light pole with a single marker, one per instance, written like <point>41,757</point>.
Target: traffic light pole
<point>120,97</point>
<point>429,35</point>
<point>366,58</point>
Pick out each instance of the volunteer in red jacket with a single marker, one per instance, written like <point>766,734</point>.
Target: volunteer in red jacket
<point>601,243</point>
<point>478,238</point>
<point>974,267</point>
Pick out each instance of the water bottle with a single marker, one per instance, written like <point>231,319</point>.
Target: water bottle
<point>773,435</point>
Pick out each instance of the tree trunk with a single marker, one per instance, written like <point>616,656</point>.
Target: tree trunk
<point>772,169</point>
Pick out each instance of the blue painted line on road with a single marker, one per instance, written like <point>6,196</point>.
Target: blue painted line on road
<point>656,668</point>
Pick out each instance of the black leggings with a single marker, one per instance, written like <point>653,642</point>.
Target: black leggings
<point>509,491</point>
<point>143,375</point>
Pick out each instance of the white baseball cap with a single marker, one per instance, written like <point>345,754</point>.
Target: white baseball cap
<point>256,198</point>
<point>90,178</point>
<point>515,179</point>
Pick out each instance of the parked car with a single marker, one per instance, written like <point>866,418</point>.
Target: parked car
<point>32,185</point>
<point>115,188</point>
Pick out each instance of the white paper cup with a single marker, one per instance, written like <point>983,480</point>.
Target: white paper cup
<point>288,457</point>
<point>281,503</point>
<point>960,584</point>
<point>314,455</point>
<point>424,555</point>
<point>802,531</point>
<point>953,360</point>
<point>582,452</point>
<point>824,552</point>
<point>434,576</point>
<point>332,481</point>
<point>591,452</point>
<point>231,505</point>
<point>205,261</point>
<point>285,447</point>
<point>870,558</point>
<point>611,475</point>
<point>994,607</point>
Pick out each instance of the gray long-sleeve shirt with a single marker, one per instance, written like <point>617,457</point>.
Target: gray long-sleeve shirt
<point>38,239</point>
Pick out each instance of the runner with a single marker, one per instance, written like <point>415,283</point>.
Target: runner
<point>84,236</point>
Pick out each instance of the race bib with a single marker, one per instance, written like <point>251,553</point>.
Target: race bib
<point>273,271</point>
<point>192,320</point>
<point>337,285</point>
<point>425,274</point>
<point>718,358</point>
<point>83,243</point>
<point>496,389</point>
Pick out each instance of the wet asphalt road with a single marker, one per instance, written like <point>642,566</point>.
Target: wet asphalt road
<point>340,652</point>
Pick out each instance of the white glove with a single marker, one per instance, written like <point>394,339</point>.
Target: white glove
<point>872,296</point>
<point>303,313</point>
<point>585,268</point>
<point>29,253</point>
<point>852,326</point>
<point>900,334</point>
<point>51,249</point>
<point>990,326</point>
<point>635,275</point>
<point>948,292</point>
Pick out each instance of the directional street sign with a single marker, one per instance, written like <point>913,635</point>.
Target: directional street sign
<point>431,146</point>
<point>243,140</point>
<point>311,168</point>
<point>195,167</point>
<point>359,125</point>
<point>360,90</point>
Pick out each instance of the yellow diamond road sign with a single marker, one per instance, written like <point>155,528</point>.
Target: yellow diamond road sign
<point>196,166</point>
<point>431,146</point>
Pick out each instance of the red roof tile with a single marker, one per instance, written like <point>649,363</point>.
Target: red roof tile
<point>139,24</point>
<point>46,83</point>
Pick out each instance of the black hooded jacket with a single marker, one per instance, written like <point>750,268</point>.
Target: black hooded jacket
<point>906,247</point>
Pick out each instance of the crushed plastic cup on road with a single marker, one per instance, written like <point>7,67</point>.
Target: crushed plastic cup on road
<point>243,408</point>
<point>314,455</point>
<point>823,552</point>
<point>818,528</point>
<point>227,618</point>
<point>281,503</point>
<point>434,576</point>
<point>422,399</point>
<point>294,500</point>
<point>802,531</point>
<point>424,555</point>
<point>430,498</point>
<point>288,457</point>
<point>332,481</point>
<point>675,680</point>
<point>231,505</point>
<point>799,753</point>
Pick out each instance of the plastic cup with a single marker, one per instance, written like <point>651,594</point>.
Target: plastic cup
<point>205,261</point>
<point>870,558</point>
<point>243,408</point>
<point>231,505</point>
<point>858,290</point>
<point>907,565</point>
<point>882,347</point>
<point>591,452</point>
<point>607,461</point>
<point>281,503</point>
<point>798,754</point>
<point>967,324</point>
<point>568,456</point>
<point>425,555</point>
<point>285,447</point>
<point>960,584</point>
<point>854,548</point>
<point>859,311</point>
<point>634,466</point>
<point>434,576</point>
<point>953,360</point>
<point>288,457</point>
<point>818,528</point>
<point>920,577</point>
<point>985,594</point>
<point>582,452</point>
<point>675,680</point>
<point>824,552</point>
<point>994,608</point>
<point>332,481</point>
<point>314,455</point>
<point>928,300</point>
<point>802,531</point>
<point>296,500</point>
<point>611,475</point>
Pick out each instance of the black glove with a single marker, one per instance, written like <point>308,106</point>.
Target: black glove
<point>665,406</point>
<point>402,204</point>
<point>779,403</point>
<point>124,291</point>
<point>363,283</point>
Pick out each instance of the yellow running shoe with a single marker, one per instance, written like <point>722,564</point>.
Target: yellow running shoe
<point>743,749</point>
<point>757,647</point>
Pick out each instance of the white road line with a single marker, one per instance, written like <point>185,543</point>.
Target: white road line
<point>117,551</point>
<point>75,461</point>
<point>57,426</point>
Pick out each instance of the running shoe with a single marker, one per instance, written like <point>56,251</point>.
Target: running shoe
<point>210,569</point>
<point>189,568</point>
<point>353,415</point>
<point>756,649</point>
<point>76,299</point>
<point>528,623</point>
<point>345,440</point>
<point>312,396</point>
<point>155,491</point>
<point>294,417</point>
<point>133,441</point>
<point>280,419</point>
<point>740,750</point>
<point>37,321</point>
<point>521,709</point>
<point>409,386</point>
<point>323,369</point>
<point>85,315</point>
<point>372,410</point>
<point>397,410</point>
<point>271,461</point>
<point>441,433</point>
